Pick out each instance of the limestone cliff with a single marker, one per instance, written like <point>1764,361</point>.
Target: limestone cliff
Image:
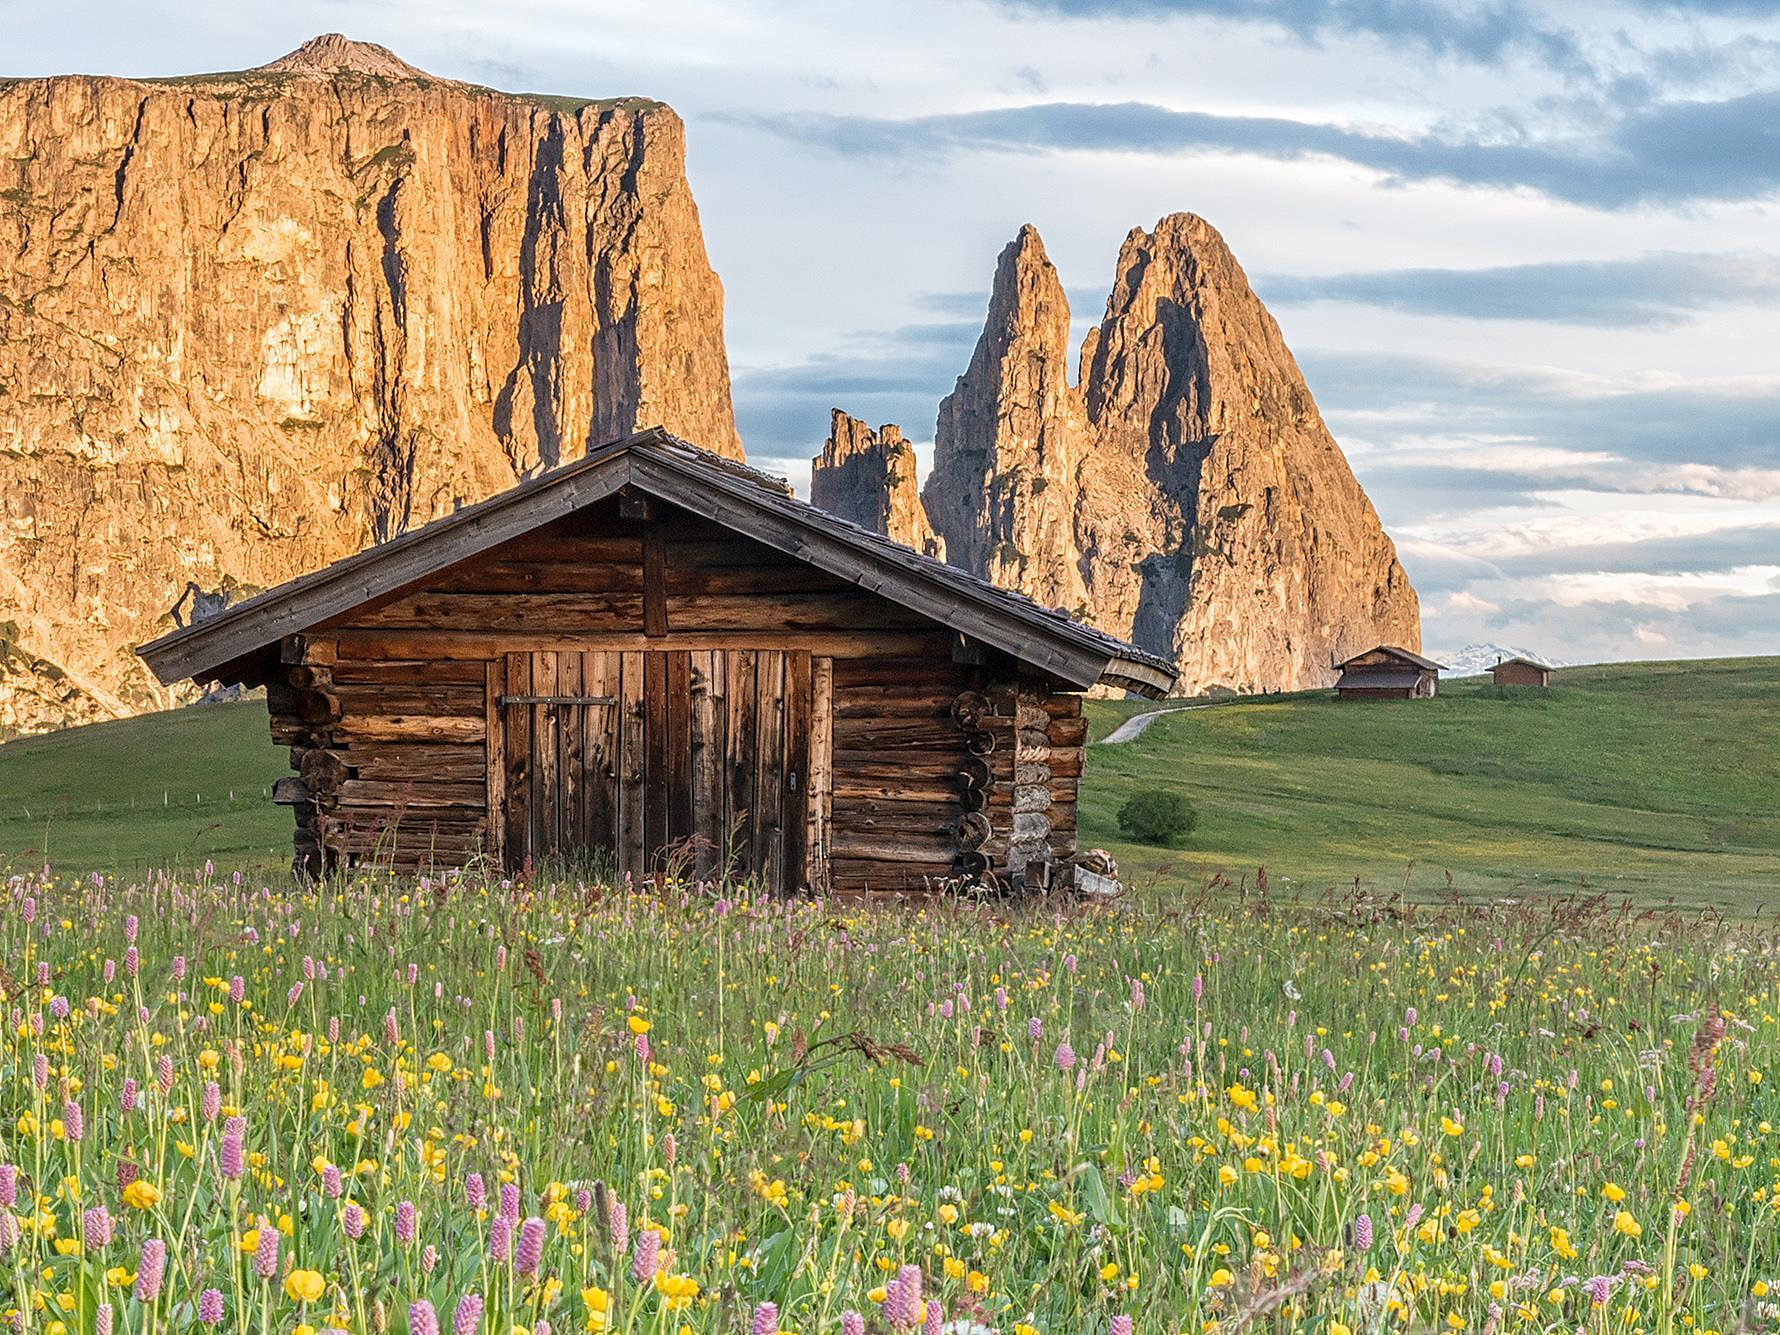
<point>1185,493</point>
<point>252,322</point>
<point>869,477</point>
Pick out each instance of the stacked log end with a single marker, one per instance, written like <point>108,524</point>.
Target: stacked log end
<point>1017,790</point>
<point>304,709</point>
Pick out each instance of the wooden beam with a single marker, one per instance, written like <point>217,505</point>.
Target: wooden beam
<point>655,617</point>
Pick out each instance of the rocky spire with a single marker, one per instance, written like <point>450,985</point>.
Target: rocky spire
<point>868,477</point>
<point>1011,433</point>
<point>1188,495</point>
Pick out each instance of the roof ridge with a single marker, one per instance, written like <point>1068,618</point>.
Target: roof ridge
<point>948,595</point>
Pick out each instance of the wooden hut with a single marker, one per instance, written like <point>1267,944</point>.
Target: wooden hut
<point>659,655</point>
<point>1521,672</point>
<point>1388,673</point>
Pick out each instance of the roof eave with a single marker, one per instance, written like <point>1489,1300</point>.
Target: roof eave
<point>1142,678</point>
<point>198,650</point>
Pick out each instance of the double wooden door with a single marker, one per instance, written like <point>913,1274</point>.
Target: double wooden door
<point>693,761</point>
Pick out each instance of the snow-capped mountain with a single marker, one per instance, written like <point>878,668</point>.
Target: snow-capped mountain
<point>1475,659</point>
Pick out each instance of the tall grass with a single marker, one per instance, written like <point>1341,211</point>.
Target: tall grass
<point>579,1105</point>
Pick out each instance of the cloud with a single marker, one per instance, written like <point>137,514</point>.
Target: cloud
<point>1399,399</point>
<point>897,375</point>
<point>1669,153</point>
<point>1717,552</point>
<point>1588,621</point>
<point>1664,288</point>
<point>1483,32</point>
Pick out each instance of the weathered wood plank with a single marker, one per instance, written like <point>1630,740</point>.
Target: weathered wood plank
<point>417,698</point>
<point>546,612</point>
<point>655,757</point>
<point>795,799</point>
<point>744,705</point>
<point>479,645</point>
<point>708,678</point>
<point>565,548</point>
<point>901,847</point>
<point>353,672</point>
<point>880,735</point>
<point>456,762</point>
<point>821,784</point>
<point>467,797</point>
<point>769,769</point>
<point>412,728</point>
<point>678,667</point>
<point>787,611</point>
<point>546,749</point>
<point>494,759</point>
<point>518,839</point>
<point>571,731</point>
<point>632,839</point>
<point>543,576</point>
<point>599,676</point>
<point>655,599</point>
<point>900,669</point>
<point>752,579</point>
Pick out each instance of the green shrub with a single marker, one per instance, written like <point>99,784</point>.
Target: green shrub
<point>1156,816</point>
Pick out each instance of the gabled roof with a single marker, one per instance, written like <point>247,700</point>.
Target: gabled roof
<point>1524,661</point>
<point>1378,679</point>
<point>719,489</point>
<point>1403,654</point>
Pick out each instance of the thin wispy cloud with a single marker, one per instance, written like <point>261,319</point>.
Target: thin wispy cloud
<point>1666,153</point>
<point>1403,398</point>
<point>1652,290</point>
<point>1484,32</point>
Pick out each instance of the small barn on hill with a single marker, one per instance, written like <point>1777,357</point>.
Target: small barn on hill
<point>1388,673</point>
<point>1521,672</point>
<point>659,655</point>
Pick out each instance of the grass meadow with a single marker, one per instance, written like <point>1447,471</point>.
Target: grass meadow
<point>397,1106</point>
<point>1660,781</point>
<point>1656,780</point>
<point>1489,1047</point>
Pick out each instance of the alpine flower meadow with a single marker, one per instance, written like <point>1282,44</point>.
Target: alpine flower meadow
<point>475,1105</point>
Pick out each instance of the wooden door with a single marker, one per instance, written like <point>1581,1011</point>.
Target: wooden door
<point>694,761</point>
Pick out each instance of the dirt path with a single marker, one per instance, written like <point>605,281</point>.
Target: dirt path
<point>1132,728</point>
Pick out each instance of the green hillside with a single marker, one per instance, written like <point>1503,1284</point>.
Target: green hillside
<point>163,790</point>
<point>1654,779</point>
<point>1660,780</point>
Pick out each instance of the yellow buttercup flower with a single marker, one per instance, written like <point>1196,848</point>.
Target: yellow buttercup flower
<point>304,1286</point>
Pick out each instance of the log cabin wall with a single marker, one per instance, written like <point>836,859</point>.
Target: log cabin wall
<point>766,718</point>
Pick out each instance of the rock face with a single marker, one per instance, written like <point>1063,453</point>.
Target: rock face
<point>1185,493</point>
<point>253,322</point>
<point>869,477</point>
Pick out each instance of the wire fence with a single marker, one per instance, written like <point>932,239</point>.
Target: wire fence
<point>166,799</point>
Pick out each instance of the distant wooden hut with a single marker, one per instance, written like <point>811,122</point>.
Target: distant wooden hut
<point>660,656</point>
<point>1521,672</point>
<point>1388,673</point>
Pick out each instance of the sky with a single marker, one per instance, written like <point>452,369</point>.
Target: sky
<point>1527,253</point>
